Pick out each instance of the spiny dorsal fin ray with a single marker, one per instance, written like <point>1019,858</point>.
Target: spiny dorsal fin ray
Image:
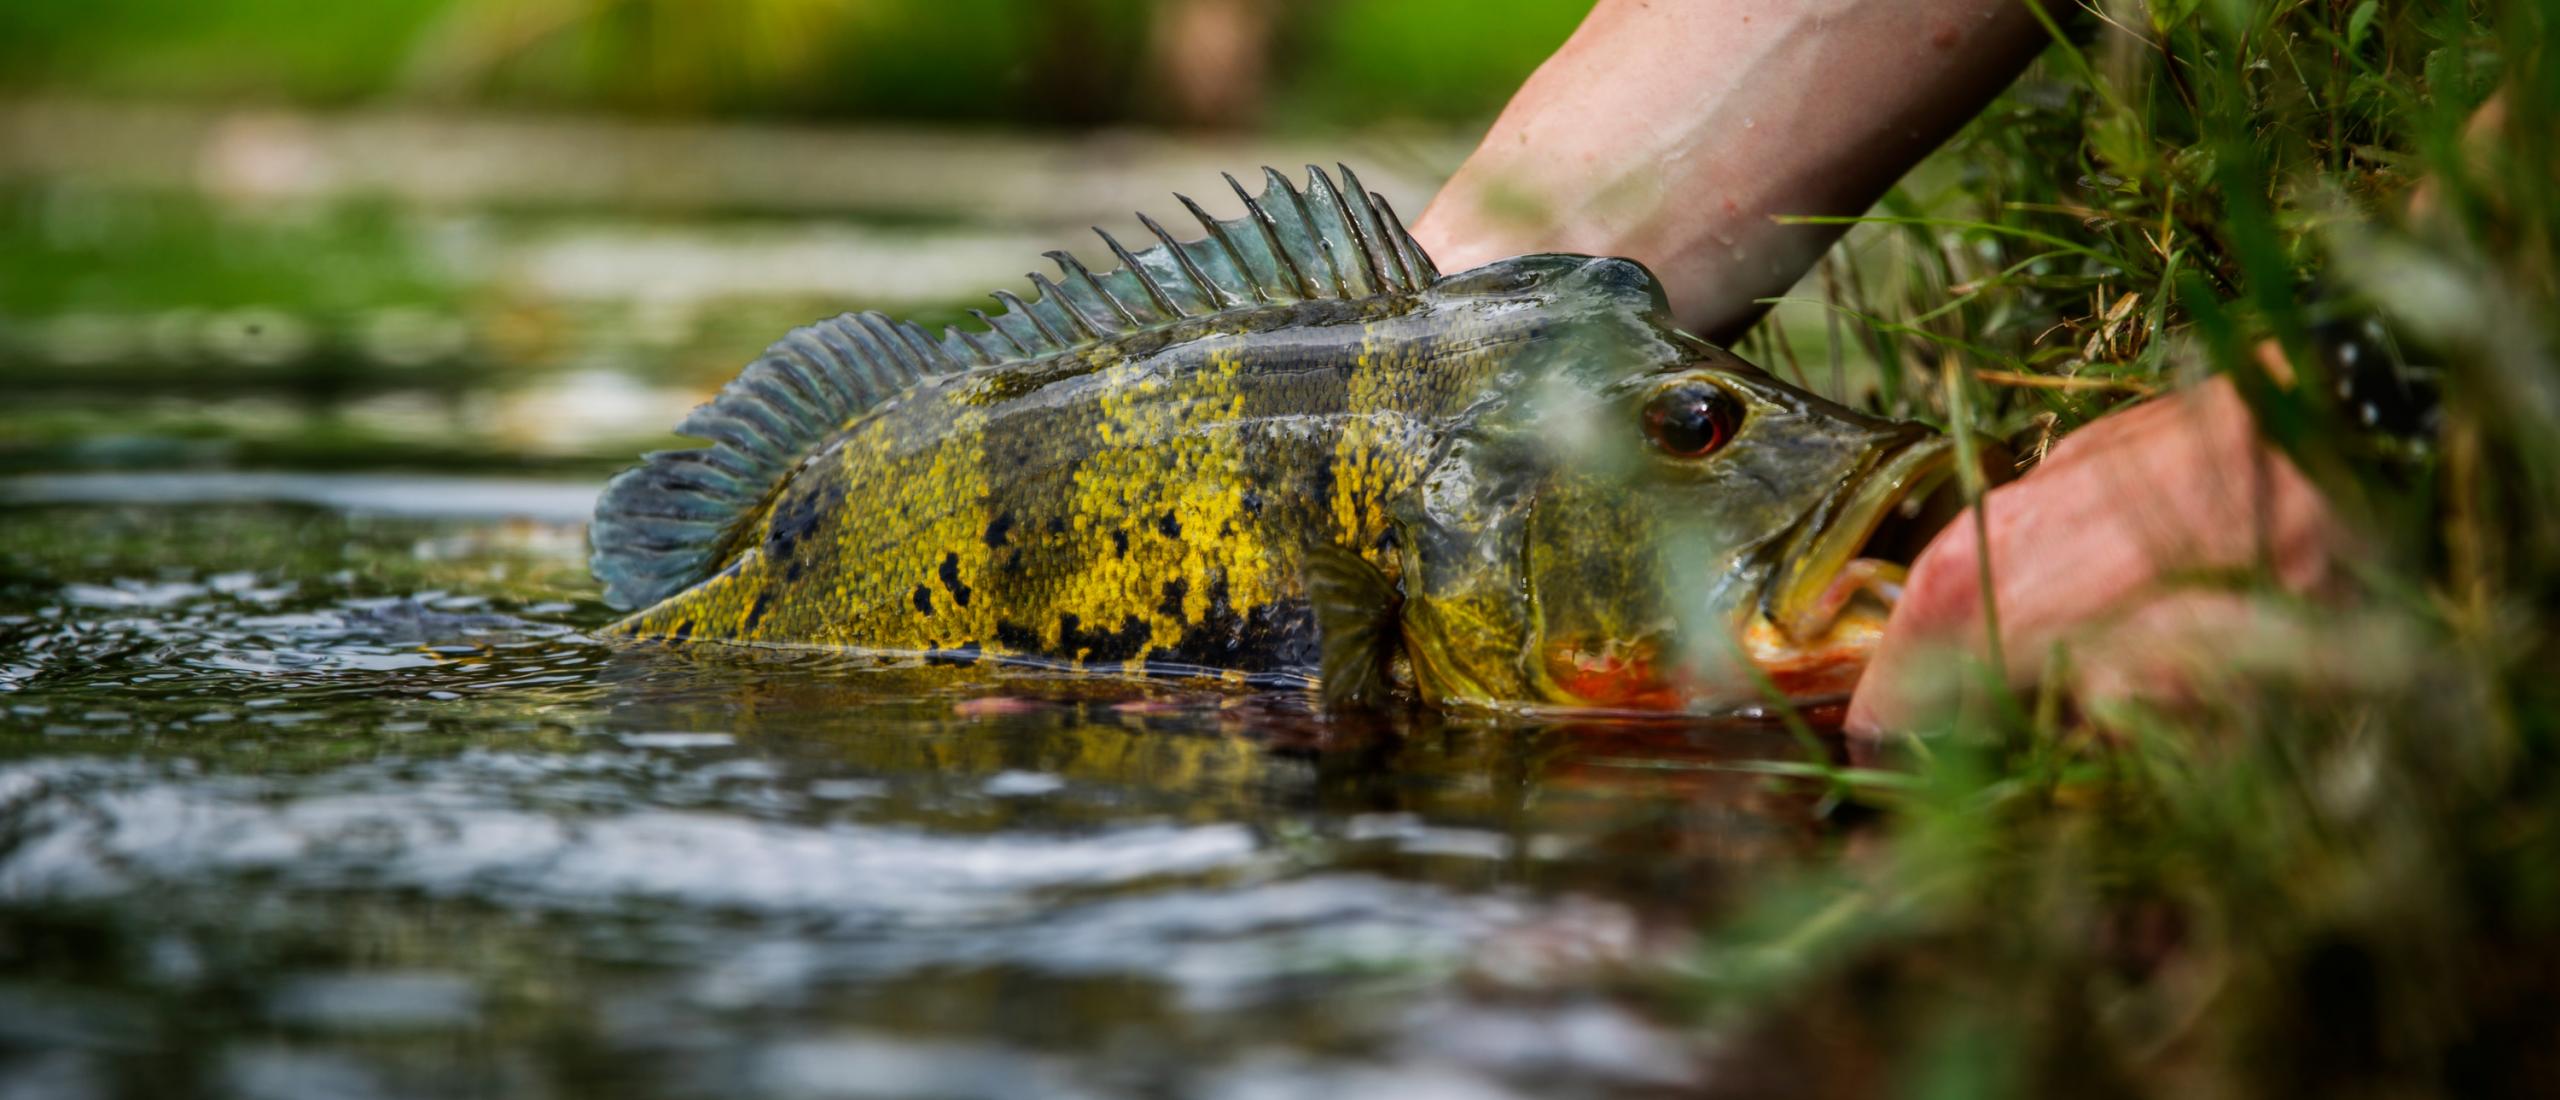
<point>669,522</point>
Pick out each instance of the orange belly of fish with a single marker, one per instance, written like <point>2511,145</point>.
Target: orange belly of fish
<point>1631,679</point>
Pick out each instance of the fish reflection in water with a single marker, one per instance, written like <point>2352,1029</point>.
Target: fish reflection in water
<point>382,819</point>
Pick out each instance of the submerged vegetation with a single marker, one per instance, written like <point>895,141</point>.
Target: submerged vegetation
<point>2334,867</point>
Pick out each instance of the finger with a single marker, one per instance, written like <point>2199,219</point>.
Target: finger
<point>1941,607</point>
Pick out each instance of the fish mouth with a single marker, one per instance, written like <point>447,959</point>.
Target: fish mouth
<point>1823,613</point>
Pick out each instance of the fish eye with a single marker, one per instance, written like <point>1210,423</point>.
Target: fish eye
<point>1692,419</point>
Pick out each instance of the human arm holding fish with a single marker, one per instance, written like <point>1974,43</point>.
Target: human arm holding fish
<point>1680,134</point>
<point>1676,132</point>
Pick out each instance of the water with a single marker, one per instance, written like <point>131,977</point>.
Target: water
<point>336,798</point>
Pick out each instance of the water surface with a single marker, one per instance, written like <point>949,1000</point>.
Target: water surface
<point>318,788</point>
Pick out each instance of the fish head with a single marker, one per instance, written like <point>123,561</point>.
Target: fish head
<point>1634,519</point>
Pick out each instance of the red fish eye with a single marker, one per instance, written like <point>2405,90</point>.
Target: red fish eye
<point>1692,419</point>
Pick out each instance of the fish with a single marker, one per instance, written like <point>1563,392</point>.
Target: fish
<point>1292,452</point>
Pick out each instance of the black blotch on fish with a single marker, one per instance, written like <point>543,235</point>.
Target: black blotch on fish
<point>1168,526</point>
<point>795,518</point>
<point>924,599</point>
<point>998,528</point>
<point>1174,591</point>
<point>1017,637</point>
<point>1274,635</point>
<point>756,610</point>
<point>1104,645</point>
<point>950,574</point>
<point>682,631</point>
<point>1057,525</point>
<point>1120,543</point>
<point>1252,501</point>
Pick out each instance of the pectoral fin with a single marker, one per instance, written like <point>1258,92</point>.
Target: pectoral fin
<point>1358,623</point>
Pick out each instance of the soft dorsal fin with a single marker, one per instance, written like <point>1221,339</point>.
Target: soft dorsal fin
<point>674,519</point>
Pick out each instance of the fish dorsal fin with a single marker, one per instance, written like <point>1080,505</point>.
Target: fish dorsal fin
<point>676,518</point>
<point>1290,245</point>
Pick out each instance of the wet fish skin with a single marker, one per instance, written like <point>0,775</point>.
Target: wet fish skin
<point>1134,471</point>
<point>1120,507</point>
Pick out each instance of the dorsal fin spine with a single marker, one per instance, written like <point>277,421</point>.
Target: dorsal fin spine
<point>1219,296</point>
<point>1014,307</point>
<point>967,339</point>
<point>1364,241</point>
<point>1087,330</point>
<point>941,357</point>
<point>1417,262</point>
<point>992,326</point>
<point>1146,279</point>
<point>1380,239</point>
<point>892,335</point>
<point>1307,220</point>
<point>935,358</point>
<point>1301,287</point>
<point>1070,267</point>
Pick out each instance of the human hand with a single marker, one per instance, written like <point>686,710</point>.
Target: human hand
<point>2087,549</point>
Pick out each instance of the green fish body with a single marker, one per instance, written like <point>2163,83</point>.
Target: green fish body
<point>1291,449</point>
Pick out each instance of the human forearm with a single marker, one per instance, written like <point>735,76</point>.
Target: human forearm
<point>1676,132</point>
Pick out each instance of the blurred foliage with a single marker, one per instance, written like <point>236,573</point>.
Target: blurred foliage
<point>264,324</point>
<point>668,51</point>
<point>2337,872</point>
<point>280,49</point>
<point>1040,62</point>
<point>74,248</point>
<point>1436,59</point>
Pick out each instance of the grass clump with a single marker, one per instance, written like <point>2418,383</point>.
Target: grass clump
<point>2338,871</point>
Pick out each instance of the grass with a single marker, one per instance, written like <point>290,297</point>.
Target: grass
<point>2340,872</point>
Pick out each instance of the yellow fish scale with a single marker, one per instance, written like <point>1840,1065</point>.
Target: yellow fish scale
<point>895,597</point>
<point>1163,494</point>
<point>1167,476</point>
<point>1372,461</point>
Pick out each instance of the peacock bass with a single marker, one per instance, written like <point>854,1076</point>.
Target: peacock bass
<point>1290,449</point>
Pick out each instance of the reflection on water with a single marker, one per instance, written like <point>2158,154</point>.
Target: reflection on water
<point>301,802</point>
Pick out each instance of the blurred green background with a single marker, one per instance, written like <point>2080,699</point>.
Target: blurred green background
<point>526,234</point>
